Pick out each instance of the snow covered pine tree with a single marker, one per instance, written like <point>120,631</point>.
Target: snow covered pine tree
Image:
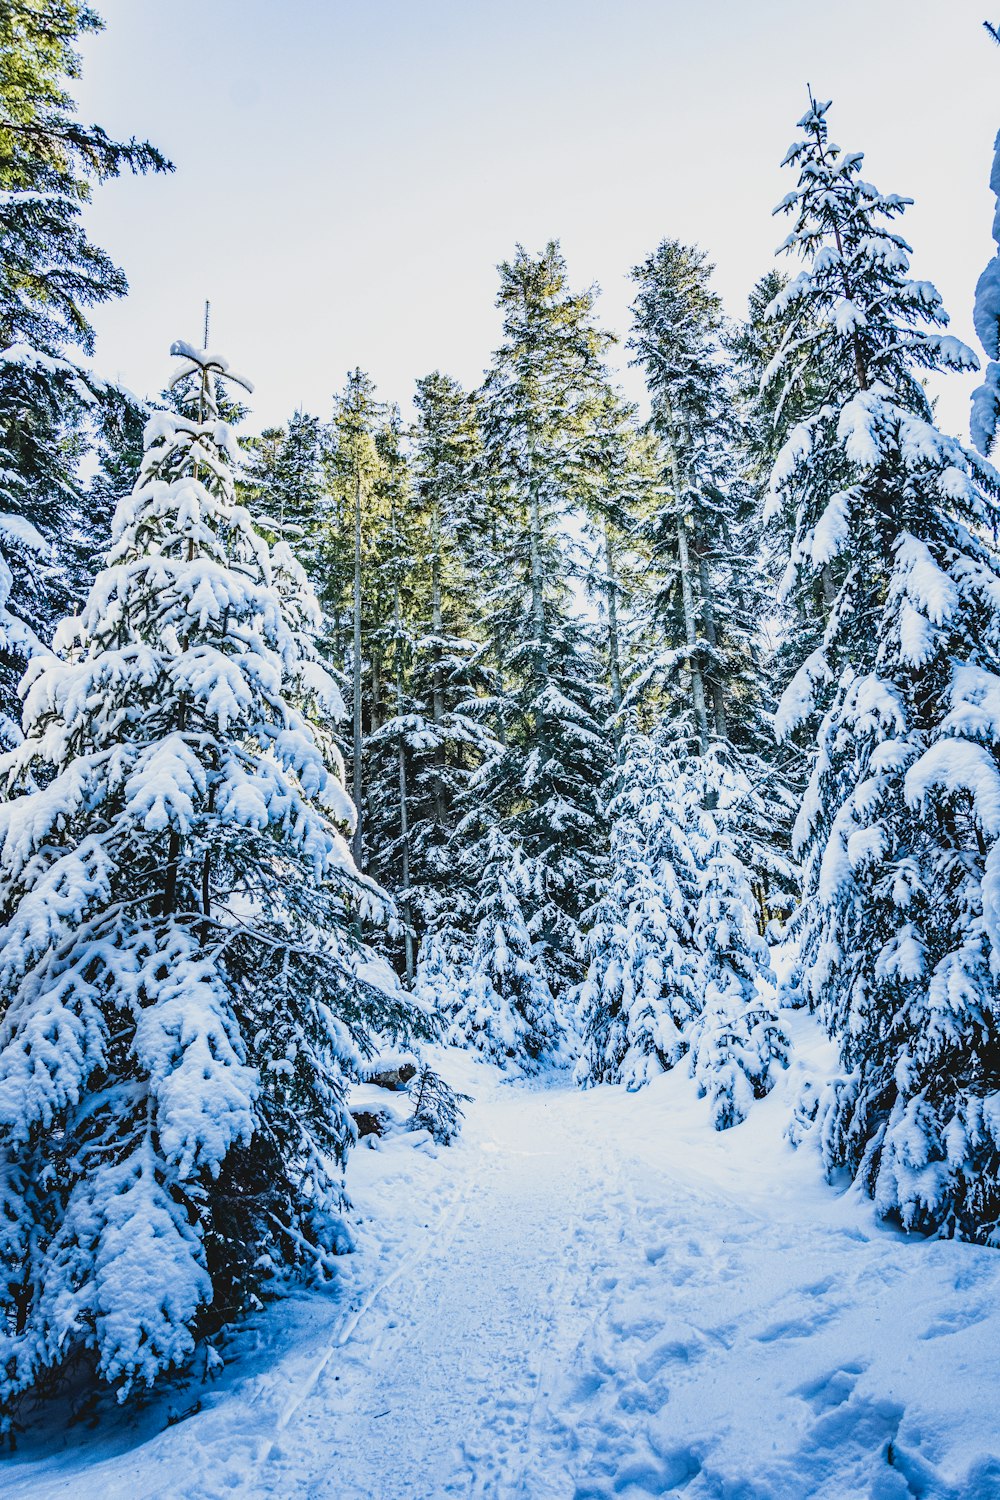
<point>182,996</point>
<point>986,316</point>
<point>501,1002</point>
<point>737,1040</point>
<point>900,826</point>
<point>638,998</point>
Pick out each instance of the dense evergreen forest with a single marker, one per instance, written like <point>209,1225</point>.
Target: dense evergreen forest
<point>512,717</point>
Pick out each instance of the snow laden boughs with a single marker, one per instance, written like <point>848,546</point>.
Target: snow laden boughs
<point>182,996</point>
<point>639,995</point>
<point>899,828</point>
<point>986,316</point>
<point>500,1002</point>
<point>737,1040</point>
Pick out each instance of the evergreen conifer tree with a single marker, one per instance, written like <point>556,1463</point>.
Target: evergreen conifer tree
<point>449,678</point>
<point>51,274</point>
<point>639,996</point>
<point>676,335</point>
<point>502,1005</point>
<point>986,316</point>
<point>283,484</point>
<point>702,535</point>
<point>537,412</point>
<point>182,993</point>
<point>899,828</point>
<point>352,466</point>
<point>737,1040</point>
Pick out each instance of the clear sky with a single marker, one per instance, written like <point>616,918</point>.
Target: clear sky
<point>349,175</point>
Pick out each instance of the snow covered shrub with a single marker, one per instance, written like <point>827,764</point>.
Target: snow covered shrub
<point>501,1003</point>
<point>900,828</point>
<point>181,990</point>
<point>440,959</point>
<point>639,994</point>
<point>738,1039</point>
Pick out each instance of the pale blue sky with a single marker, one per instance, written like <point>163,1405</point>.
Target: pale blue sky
<point>348,175</point>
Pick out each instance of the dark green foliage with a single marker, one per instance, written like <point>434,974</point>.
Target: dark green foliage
<point>437,1107</point>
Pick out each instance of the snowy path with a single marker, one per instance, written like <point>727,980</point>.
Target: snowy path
<point>595,1296</point>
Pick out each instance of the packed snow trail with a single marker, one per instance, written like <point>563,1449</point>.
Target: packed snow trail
<point>593,1295</point>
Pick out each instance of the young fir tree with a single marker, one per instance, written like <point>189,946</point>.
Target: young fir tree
<point>737,1041</point>
<point>899,829</point>
<point>537,411</point>
<point>502,1004</point>
<point>51,274</point>
<point>639,996</point>
<point>182,995</point>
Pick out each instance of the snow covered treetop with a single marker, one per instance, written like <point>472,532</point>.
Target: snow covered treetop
<point>866,309</point>
<point>986,316</point>
<point>208,369</point>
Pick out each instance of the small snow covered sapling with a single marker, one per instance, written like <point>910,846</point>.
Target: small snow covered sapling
<point>182,991</point>
<point>737,1039</point>
<point>502,1004</point>
<point>437,1107</point>
<point>639,995</point>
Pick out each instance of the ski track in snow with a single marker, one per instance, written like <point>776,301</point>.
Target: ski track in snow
<point>590,1296</point>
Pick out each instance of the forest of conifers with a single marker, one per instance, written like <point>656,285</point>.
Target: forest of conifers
<point>529,721</point>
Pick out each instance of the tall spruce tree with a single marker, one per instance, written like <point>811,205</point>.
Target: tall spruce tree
<point>702,535</point>
<point>899,829</point>
<point>448,676</point>
<point>537,413</point>
<point>51,274</point>
<point>352,467</point>
<point>676,336</point>
<point>182,995</point>
<point>282,482</point>
<point>397,732</point>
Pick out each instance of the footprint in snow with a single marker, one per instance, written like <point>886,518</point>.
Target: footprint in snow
<point>831,1390</point>
<point>955,1321</point>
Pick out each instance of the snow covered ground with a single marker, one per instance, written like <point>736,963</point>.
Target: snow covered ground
<point>589,1295</point>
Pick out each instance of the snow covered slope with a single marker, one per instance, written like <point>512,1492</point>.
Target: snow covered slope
<point>590,1295</point>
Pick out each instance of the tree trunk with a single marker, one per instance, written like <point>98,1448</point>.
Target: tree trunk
<point>404,818</point>
<point>687,596</point>
<point>437,691</point>
<point>537,590</point>
<point>614,655</point>
<point>711,635</point>
<point>357,845</point>
<point>691,636</point>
